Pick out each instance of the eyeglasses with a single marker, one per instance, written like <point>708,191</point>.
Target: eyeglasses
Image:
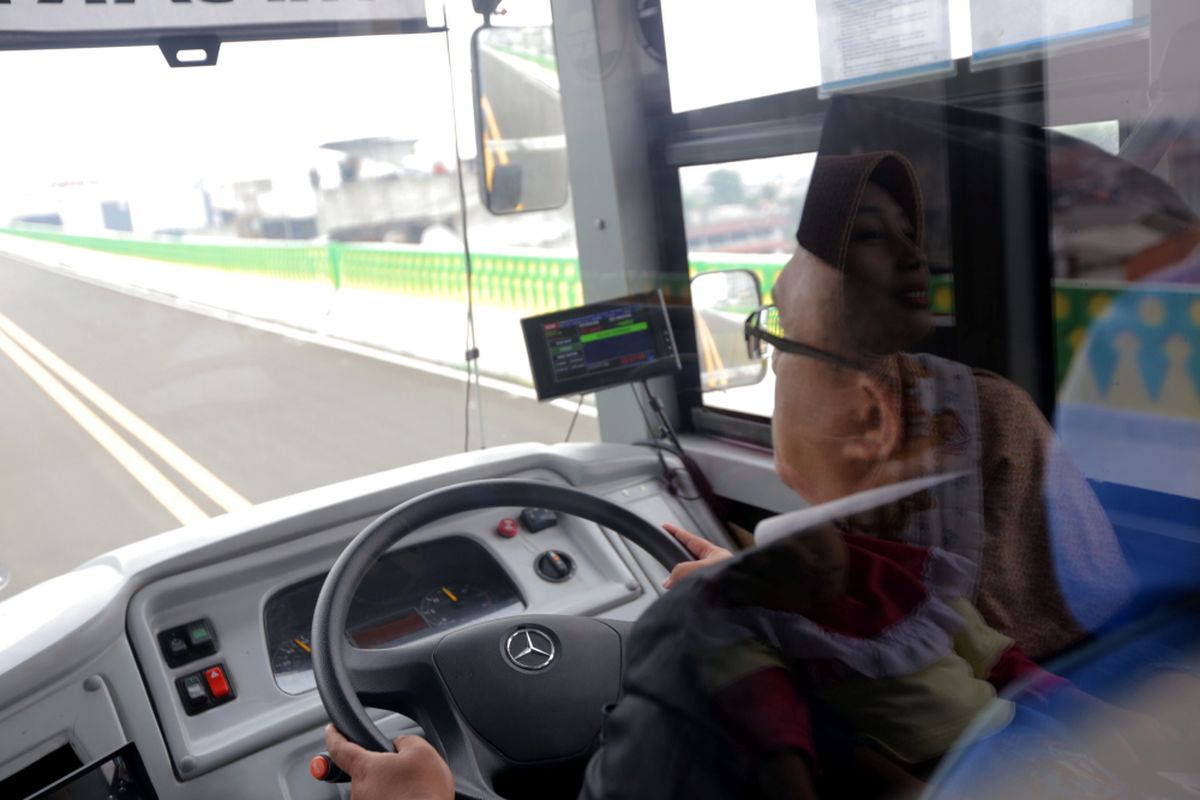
<point>763,328</point>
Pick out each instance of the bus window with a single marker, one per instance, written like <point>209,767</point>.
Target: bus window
<point>742,216</point>
<point>225,284</point>
<point>765,48</point>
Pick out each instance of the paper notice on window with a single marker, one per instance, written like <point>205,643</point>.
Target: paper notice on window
<point>869,42</point>
<point>1002,29</point>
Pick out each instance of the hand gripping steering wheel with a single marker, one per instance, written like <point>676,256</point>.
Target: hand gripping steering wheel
<point>499,694</point>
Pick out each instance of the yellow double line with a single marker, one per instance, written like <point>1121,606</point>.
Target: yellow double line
<point>50,373</point>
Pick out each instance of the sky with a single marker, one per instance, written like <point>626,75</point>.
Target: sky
<point>124,111</point>
<point>121,116</point>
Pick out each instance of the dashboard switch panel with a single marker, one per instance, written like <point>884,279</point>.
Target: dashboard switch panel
<point>186,643</point>
<point>205,689</point>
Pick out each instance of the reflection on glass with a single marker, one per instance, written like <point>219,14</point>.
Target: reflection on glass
<point>519,120</point>
<point>742,216</point>
<point>803,649</point>
<point>721,302</point>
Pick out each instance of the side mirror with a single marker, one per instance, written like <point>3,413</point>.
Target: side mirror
<point>518,120</point>
<point>721,301</point>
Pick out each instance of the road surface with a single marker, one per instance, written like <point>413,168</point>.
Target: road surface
<point>123,416</point>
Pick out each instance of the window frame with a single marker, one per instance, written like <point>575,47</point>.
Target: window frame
<point>790,123</point>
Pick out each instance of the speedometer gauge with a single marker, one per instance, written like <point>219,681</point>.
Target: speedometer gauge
<point>291,661</point>
<point>450,605</point>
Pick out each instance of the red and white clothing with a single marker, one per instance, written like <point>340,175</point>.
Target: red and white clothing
<point>902,656</point>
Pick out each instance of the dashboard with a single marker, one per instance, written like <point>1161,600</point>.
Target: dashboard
<point>194,645</point>
<point>408,594</point>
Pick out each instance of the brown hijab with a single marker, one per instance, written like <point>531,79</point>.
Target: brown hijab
<point>835,193</point>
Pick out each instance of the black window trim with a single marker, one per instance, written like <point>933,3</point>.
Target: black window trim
<point>789,123</point>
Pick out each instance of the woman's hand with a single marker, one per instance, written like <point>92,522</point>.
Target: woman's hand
<point>705,552</point>
<point>414,772</point>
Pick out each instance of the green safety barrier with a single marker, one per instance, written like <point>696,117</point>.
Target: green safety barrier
<point>534,283</point>
<point>542,60</point>
<point>526,282</point>
<point>297,262</point>
<point>941,287</point>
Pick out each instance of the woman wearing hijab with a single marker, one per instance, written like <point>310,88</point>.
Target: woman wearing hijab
<point>854,411</point>
<point>1036,563</point>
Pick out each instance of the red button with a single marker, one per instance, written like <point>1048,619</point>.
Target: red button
<point>319,767</point>
<point>217,685</point>
<point>507,528</point>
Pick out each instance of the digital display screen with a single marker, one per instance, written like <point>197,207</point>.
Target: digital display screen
<point>594,343</point>
<point>386,633</point>
<point>600,345</point>
<point>120,776</point>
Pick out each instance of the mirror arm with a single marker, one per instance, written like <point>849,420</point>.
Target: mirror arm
<point>486,8</point>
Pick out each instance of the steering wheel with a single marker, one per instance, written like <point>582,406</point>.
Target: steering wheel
<point>497,695</point>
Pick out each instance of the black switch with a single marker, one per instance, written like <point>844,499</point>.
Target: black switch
<point>200,639</point>
<point>198,633</point>
<point>193,693</point>
<point>175,648</point>
<point>555,565</point>
<point>538,519</point>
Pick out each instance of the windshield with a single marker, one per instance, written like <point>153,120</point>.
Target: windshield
<point>222,285</point>
<point>918,284</point>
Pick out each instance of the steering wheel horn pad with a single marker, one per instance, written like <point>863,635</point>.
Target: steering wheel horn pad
<point>533,715</point>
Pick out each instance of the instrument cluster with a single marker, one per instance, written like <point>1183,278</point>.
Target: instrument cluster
<point>409,593</point>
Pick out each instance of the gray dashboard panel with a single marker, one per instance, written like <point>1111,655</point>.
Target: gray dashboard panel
<point>232,596</point>
<point>226,568</point>
<point>80,713</point>
<point>230,593</point>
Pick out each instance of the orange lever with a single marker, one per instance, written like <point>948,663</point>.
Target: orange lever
<point>322,768</point>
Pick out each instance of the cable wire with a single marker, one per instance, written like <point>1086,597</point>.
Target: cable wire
<point>696,477</point>
<point>670,475</point>
<point>664,423</point>
<point>575,417</point>
<point>472,347</point>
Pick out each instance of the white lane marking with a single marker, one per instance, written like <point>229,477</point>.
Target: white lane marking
<point>157,484</point>
<point>212,486</point>
<point>366,351</point>
<point>300,334</point>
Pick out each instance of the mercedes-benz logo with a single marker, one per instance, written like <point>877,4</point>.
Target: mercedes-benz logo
<point>530,649</point>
